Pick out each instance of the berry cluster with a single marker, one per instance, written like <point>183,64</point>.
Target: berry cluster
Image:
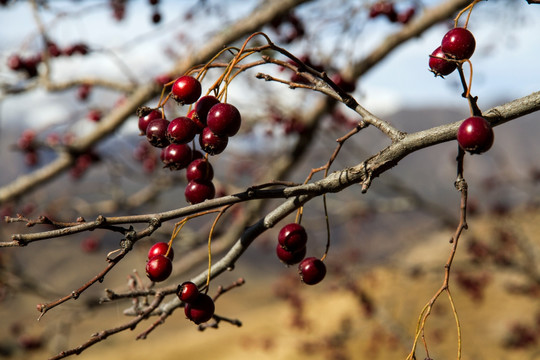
<point>387,9</point>
<point>457,45</point>
<point>27,144</point>
<point>210,119</point>
<point>28,65</point>
<point>159,265</point>
<point>475,134</point>
<point>291,249</point>
<point>199,307</point>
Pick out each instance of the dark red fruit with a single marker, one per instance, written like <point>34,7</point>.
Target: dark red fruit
<point>203,106</point>
<point>187,292</point>
<point>94,115</point>
<point>84,91</point>
<point>201,310</point>
<point>176,156</point>
<point>158,268</point>
<point>146,119</point>
<point>195,118</point>
<point>346,85</point>
<point>211,143</point>
<point>475,135</point>
<point>292,237</point>
<point>186,90</point>
<point>182,130</point>
<point>199,190</point>
<point>160,248</point>
<point>156,132</point>
<point>15,62</point>
<point>312,270</point>
<point>385,8</point>
<point>156,17</point>
<point>406,16</point>
<point>439,65</point>
<point>224,119</point>
<point>90,244</point>
<point>458,43</point>
<point>290,257</point>
<point>200,169</point>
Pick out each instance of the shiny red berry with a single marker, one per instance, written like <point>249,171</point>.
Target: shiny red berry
<point>458,43</point>
<point>475,135</point>
<point>290,257</point>
<point>186,90</point>
<point>224,119</point>
<point>187,292</point>
<point>156,133</point>
<point>292,237</point>
<point>199,190</point>
<point>203,106</point>
<point>212,143</point>
<point>160,248</point>
<point>182,130</point>
<point>439,65</point>
<point>146,118</point>
<point>176,156</point>
<point>312,270</point>
<point>201,310</point>
<point>159,268</point>
<point>200,169</point>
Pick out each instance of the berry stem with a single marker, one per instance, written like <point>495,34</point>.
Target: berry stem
<point>467,8</point>
<point>475,110</point>
<point>179,225</point>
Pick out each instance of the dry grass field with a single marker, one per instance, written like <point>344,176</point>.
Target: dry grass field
<point>496,300</point>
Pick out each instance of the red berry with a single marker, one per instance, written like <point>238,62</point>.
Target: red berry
<point>176,156</point>
<point>212,143</point>
<point>94,115</point>
<point>160,248</point>
<point>383,7</point>
<point>15,62</point>
<point>201,310</point>
<point>292,237</point>
<point>182,130</point>
<point>458,43</point>
<point>346,85</point>
<point>158,268</point>
<point>156,132</point>
<point>203,106</point>
<point>90,244</point>
<point>187,292</point>
<point>156,17</point>
<point>290,257</point>
<point>475,135</point>
<point>224,119</point>
<point>84,91</point>
<point>439,65</point>
<point>147,118</point>
<point>406,16</point>
<point>186,90</point>
<point>200,169</point>
<point>312,270</point>
<point>198,191</point>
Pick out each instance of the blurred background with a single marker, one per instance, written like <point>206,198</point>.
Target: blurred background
<point>389,246</point>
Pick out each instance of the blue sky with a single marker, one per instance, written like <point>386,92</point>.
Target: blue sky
<point>505,61</point>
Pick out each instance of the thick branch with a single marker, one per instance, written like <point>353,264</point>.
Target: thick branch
<point>337,181</point>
